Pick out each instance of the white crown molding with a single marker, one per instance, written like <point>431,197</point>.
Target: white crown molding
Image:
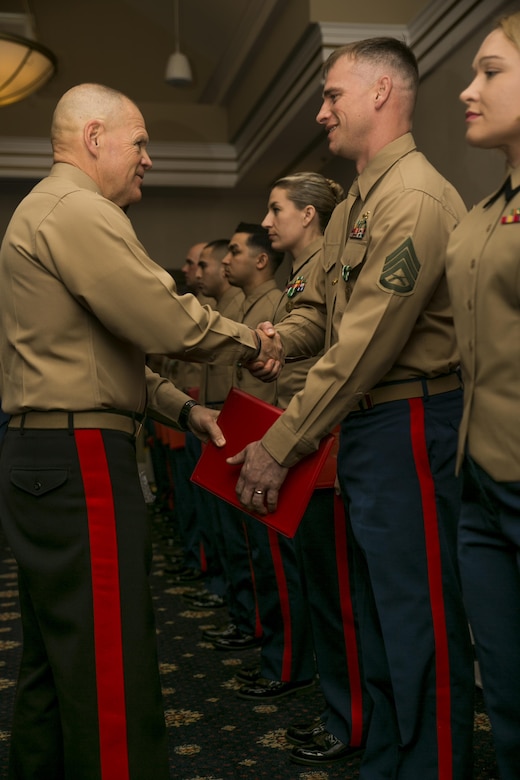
<point>433,35</point>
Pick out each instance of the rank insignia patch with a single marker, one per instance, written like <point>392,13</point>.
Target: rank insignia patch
<point>401,269</point>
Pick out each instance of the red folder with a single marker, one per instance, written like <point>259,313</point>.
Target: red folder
<point>244,419</point>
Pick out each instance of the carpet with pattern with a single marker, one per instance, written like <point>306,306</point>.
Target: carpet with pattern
<point>213,735</point>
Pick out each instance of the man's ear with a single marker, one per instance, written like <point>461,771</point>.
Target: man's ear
<point>92,133</point>
<point>261,261</point>
<point>383,88</point>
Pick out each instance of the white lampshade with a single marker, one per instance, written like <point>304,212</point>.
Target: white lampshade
<point>24,67</point>
<point>178,70</point>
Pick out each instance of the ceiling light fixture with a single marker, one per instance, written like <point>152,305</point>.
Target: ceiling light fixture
<point>25,65</point>
<point>178,69</point>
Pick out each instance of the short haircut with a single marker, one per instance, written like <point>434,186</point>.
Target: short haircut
<point>258,237</point>
<point>385,51</point>
<point>219,247</point>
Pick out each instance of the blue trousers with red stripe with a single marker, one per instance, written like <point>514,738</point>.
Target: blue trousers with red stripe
<point>396,470</point>
<point>88,703</point>
<point>287,648</point>
<point>325,560</point>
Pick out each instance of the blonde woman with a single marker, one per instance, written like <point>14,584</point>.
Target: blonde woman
<point>484,282</point>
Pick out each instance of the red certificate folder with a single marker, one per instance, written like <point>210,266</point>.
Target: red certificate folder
<point>244,419</point>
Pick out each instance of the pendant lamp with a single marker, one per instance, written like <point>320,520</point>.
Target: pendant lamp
<point>178,69</point>
<point>25,65</point>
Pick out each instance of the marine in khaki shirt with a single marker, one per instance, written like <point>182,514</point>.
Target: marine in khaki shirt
<point>379,289</point>
<point>484,281</point>
<point>73,272</point>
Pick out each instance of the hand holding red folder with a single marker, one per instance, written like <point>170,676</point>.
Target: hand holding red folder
<point>260,480</point>
<point>244,419</point>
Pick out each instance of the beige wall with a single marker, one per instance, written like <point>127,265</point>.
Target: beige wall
<point>439,123</point>
<point>169,220</point>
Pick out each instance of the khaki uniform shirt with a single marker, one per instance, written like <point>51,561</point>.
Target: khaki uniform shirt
<point>217,379</point>
<point>257,307</point>
<point>186,376</point>
<point>483,268</point>
<point>294,374</point>
<point>380,302</point>
<point>81,303</point>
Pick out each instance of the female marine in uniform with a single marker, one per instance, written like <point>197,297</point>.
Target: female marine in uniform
<point>484,278</point>
<point>300,206</point>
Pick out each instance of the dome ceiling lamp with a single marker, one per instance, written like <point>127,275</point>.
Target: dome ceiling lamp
<point>25,65</point>
<point>178,69</point>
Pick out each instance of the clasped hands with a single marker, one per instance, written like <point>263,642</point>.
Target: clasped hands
<point>261,476</point>
<point>270,360</point>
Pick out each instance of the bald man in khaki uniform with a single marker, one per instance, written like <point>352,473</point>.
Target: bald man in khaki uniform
<point>81,305</point>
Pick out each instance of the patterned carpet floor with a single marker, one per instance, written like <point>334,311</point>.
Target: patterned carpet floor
<point>213,735</point>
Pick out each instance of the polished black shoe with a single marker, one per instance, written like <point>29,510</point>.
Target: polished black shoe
<point>221,633</point>
<point>195,595</point>
<point>187,575</point>
<point>265,690</point>
<point>211,601</point>
<point>249,674</point>
<point>324,749</point>
<point>239,642</point>
<point>303,733</point>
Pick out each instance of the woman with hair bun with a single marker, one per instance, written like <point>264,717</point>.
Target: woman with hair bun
<point>317,624</point>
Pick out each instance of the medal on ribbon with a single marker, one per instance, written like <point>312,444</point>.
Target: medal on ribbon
<point>295,286</point>
<point>360,228</point>
<point>513,216</point>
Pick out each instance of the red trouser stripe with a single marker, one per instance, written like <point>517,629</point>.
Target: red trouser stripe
<point>433,555</point>
<point>349,626</point>
<point>258,624</point>
<point>283,596</point>
<point>106,605</point>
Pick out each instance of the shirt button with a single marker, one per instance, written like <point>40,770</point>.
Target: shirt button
<point>470,305</point>
<point>37,485</point>
<point>473,263</point>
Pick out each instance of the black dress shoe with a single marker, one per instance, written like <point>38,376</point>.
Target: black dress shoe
<point>239,642</point>
<point>265,690</point>
<point>303,733</point>
<point>195,595</point>
<point>249,674</point>
<point>324,749</point>
<point>211,601</point>
<point>221,633</point>
<point>186,575</point>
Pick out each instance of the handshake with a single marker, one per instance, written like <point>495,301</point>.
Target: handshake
<point>270,359</point>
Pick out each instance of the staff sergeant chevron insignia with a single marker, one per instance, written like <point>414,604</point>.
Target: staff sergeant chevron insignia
<point>401,269</point>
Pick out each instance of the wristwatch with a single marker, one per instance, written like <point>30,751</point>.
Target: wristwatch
<point>185,413</point>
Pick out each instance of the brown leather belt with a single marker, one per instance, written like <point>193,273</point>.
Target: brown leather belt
<point>421,388</point>
<point>64,420</point>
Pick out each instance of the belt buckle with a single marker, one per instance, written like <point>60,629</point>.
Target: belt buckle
<point>367,401</point>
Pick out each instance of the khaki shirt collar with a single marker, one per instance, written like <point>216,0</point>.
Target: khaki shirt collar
<point>76,175</point>
<point>306,254</point>
<point>383,161</point>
